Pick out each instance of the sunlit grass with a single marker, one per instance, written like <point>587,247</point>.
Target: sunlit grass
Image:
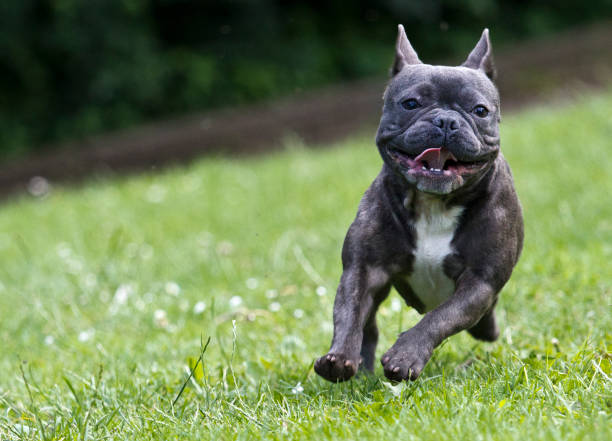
<point>108,290</point>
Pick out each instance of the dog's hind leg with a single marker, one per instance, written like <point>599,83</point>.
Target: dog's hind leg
<point>486,329</point>
<point>370,333</point>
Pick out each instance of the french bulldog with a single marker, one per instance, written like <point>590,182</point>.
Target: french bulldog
<point>441,223</point>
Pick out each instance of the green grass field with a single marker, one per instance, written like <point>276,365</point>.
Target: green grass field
<point>108,290</point>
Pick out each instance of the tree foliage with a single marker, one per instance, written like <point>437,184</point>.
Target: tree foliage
<point>69,68</point>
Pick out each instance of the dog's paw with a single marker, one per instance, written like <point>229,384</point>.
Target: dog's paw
<point>336,367</point>
<point>406,358</point>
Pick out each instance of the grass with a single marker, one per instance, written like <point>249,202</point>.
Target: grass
<point>109,291</point>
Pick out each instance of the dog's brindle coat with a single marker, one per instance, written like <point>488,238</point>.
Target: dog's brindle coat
<point>441,223</point>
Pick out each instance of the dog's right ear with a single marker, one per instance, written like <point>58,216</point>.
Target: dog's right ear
<point>404,53</point>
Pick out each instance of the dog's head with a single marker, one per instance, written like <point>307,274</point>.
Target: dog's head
<point>440,124</point>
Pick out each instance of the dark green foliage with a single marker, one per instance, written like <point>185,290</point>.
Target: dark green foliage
<point>69,68</point>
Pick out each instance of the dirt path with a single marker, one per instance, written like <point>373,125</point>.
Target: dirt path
<point>554,68</point>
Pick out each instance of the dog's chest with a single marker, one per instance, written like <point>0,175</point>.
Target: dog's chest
<point>434,226</point>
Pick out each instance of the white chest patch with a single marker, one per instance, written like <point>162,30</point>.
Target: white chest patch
<point>435,227</point>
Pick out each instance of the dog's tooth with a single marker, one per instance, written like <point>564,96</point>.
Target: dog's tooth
<point>424,168</point>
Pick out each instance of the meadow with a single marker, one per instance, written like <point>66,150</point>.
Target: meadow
<point>110,290</point>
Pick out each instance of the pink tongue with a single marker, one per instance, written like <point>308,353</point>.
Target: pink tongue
<point>435,158</point>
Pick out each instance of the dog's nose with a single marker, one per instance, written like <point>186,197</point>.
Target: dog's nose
<point>446,122</point>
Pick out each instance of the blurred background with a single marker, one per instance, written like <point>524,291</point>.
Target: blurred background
<point>117,84</point>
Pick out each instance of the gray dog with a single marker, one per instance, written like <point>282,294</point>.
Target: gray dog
<point>441,222</point>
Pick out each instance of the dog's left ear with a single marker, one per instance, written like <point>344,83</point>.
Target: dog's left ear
<point>481,57</point>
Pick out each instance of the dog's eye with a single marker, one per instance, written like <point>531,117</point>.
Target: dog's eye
<point>481,111</point>
<point>410,104</point>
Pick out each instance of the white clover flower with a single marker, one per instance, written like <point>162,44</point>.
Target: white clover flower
<point>120,298</point>
<point>160,318</point>
<point>199,307</point>
<point>297,389</point>
<point>140,304</point>
<point>252,283</point>
<point>63,250</point>
<point>235,301</point>
<point>298,313</point>
<point>274,306</point>
<point>38,186</point>
<point>321,291</point>
<point>271,294</point>
<point>86,335</point>
<point>49,340</point>
<point>123,292</point>
<point>173,288</point>
<point>396,305</point>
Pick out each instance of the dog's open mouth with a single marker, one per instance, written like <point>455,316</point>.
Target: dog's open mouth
<point>434,161</point>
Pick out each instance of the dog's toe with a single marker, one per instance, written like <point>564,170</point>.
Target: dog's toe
<point>336,367</point>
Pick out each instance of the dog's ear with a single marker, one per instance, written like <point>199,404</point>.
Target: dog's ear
<point>481,57</point>
<point>404,53</point>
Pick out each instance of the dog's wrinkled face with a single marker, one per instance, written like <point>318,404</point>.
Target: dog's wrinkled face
<point>440,125</point>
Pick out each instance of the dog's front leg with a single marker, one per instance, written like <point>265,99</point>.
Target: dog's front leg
<point>361,290</point>
<point>472,299</point>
